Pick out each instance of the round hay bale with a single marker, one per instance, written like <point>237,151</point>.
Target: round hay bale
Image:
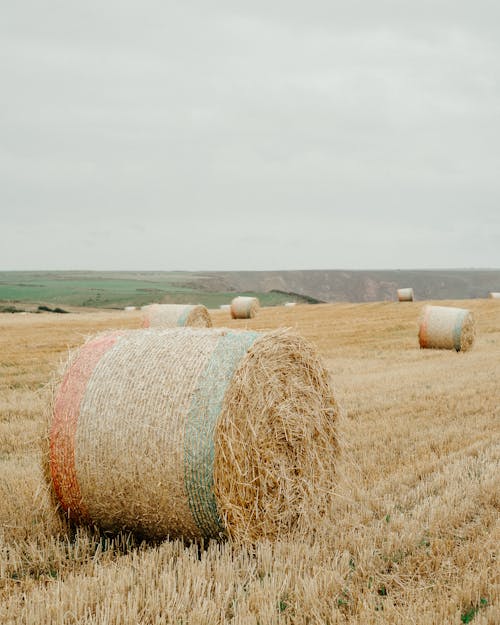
<point>244,307</point>
<point>225,307</point>
<point>290,304</point>
<point>494,295</point>
<point>129,308</point>
<point>199,433</point>
<point>405,295</point>
<point>176,315</point>
<point>445,327</point>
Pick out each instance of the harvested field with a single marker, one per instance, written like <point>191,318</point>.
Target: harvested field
<point>412,537</point>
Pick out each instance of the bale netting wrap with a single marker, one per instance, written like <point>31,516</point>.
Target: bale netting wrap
<point>405,295</point>
<point>200,433</point>
<point>446,327</point>
<point>244,307</point>
<point>176,315</point>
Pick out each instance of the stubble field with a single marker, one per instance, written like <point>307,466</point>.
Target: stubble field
<point>412,536</point>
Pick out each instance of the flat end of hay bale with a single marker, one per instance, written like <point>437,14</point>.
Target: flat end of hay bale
<point>276,442</point>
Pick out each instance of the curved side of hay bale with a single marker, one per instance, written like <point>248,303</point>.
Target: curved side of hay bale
<point>446,327</point>
<point>405,295</point>
<point>494,295</point>
<point>176,315</point>
<point>244,307</point>
<point>193,432</point>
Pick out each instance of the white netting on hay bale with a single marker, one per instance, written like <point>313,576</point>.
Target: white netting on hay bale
<point>405,295</point>
<point>176,315</point>
<point>194,432</point>
<point>446,327</point>
<point>244,307</point>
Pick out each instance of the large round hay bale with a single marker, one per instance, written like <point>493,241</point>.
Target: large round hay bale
<point>244,307</point>
<point>194,432</point>
<point>176,315</point>
<point>405,295</point>
<point>446,327</point>
<point>494,295</point>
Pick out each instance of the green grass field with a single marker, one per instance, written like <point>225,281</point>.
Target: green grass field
<point>117,289</point>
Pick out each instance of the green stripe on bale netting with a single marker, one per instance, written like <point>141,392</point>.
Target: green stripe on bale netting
<point>181,321</point>
<point>206,405</point>
<point>457,330</point>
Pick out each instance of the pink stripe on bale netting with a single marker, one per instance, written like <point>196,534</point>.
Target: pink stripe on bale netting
<point>65,422</point>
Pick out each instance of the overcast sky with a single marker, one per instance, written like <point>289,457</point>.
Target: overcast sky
<point>249,135</point>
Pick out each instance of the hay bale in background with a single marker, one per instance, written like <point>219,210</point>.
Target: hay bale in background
<point>194,432</point>
<point>129,308</point>
<point>494,295</point>
<point>176,315</point>
<point>290,304</point>
<point>446,327</point>
<point>244,307</point>
<point>225,307</point>
<point>405,295</point>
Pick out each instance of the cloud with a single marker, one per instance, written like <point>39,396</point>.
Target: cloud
<point>338,125</point>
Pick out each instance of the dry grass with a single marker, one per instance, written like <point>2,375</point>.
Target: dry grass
<point>413,535</point>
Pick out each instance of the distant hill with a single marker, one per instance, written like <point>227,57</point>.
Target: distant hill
<point>366,286</point>
<point>115,289</point>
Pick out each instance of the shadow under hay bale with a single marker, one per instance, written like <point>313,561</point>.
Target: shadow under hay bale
<point>406,295</point>
<point>176,315</point>
<point>199,433</point>
<point>244,307</point>
<point>446,327</point>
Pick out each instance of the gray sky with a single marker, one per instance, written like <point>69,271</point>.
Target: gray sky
<point>255,135</point>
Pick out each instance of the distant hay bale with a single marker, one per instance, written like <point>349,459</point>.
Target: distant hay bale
<point>194,432</point>
<point>244,307</point>
<point>494,295</point>
<point>129,308</point>
<point>405,295</point>
<point>290,304</point>
<point>225,307</point>
<point>176,315</point>
<point>446,327</point>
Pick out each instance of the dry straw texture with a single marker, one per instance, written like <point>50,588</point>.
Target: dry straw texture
<point>244,307</point>
<point>176,315</point>
<point>194,432</point>
<point>405,295</point>
<point>446,327</point>
<point>494,295</point>
<point>411,537</point>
